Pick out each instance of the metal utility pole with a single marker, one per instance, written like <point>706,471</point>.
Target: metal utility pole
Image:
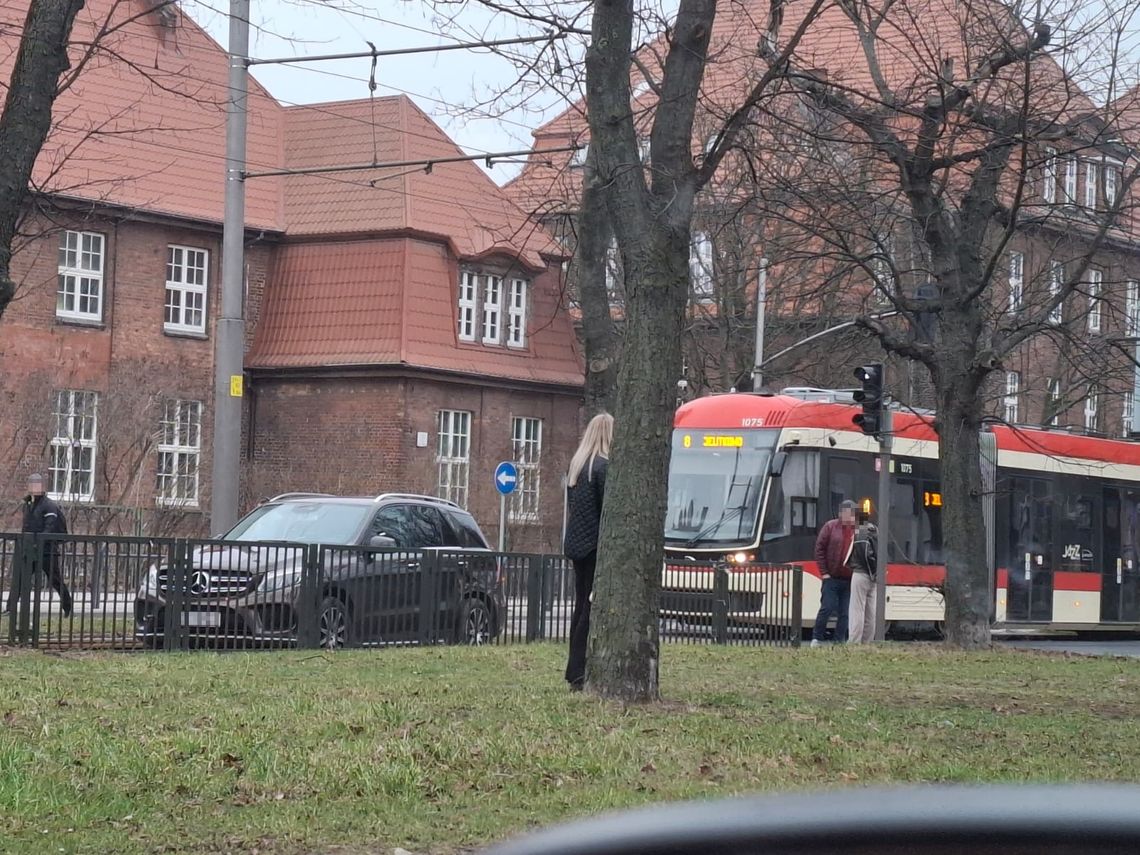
<point>761,305</point>
<point>229,336</point>
<point>885,442</point>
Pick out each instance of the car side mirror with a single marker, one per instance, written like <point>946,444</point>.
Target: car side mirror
<point>776,467</point>
<point>381,541</point>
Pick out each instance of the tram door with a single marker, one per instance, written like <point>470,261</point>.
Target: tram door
<point>1030,594</point>
<point>1120,582</point>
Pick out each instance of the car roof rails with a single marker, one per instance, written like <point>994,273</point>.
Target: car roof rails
<point>284,496</point>
<point>419,498</point>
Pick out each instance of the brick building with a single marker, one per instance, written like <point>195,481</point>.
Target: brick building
<point>405,331</point>
<point>757,219</point>
<point>412,334</point>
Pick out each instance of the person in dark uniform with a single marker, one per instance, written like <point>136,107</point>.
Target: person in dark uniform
<point>585,489</point>
<point>42,515</point>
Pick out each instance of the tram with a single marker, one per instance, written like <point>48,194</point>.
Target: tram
<point>753,476</point>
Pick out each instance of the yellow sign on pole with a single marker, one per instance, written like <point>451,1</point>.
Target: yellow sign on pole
<point>235,385</point>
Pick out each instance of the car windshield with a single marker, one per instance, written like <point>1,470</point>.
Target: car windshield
<point>716,481</point>
<point>302,522</point>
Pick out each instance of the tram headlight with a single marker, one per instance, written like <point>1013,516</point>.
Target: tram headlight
<point>740,558</point>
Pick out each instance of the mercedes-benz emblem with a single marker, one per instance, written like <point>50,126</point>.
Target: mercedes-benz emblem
<point>200,583</point>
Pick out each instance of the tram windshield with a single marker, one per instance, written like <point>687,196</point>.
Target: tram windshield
<point>716,483</point>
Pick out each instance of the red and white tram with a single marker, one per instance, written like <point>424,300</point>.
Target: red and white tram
<point>1063,517</point>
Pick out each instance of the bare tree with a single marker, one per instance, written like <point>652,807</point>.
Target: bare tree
<point>959,177</point>
<point>26,120</point>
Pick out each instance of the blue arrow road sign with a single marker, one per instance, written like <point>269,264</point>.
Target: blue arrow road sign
<point>506,477</point>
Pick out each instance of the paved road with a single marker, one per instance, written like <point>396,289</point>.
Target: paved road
<point>1084,648</point>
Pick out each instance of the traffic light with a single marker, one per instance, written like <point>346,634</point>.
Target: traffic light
<point>871,397</point>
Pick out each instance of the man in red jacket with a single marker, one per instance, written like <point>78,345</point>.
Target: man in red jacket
<point>833,556</point>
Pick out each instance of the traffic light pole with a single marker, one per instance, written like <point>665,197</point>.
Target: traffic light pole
<point>885,443</point>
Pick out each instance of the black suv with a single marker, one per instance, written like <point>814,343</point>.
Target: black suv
<point>382,564</point>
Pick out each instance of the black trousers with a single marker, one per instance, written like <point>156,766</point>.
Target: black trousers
<point>580,619</point>
<point>50,566</point>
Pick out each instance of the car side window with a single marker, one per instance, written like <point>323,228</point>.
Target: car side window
<point>426,528</point>
<point>465,532</point>
<point>394,521</point>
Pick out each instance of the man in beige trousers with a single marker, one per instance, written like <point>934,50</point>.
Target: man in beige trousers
<point>861,616</point>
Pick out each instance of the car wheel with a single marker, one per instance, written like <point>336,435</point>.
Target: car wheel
<point>333,624</point>
<point>476,622</point>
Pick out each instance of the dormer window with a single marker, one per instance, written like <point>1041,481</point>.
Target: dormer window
<point>493,309</point>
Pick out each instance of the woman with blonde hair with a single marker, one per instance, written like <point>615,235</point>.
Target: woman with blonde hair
<point>585,490</point>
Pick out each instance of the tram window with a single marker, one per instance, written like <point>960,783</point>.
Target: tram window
<point>1130,528</point>
<point>1074,537</point>
<point>792,497</point>
<point>843,482</point>
<point>1030,520</point>
<point>916,522</point>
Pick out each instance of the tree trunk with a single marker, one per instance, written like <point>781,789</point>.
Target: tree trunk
<point>968,585</point>
<point>26,120</point>
<point>624,644</point>
<point>590,261</point>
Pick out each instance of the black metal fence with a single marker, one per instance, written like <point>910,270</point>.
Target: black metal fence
<point>130,593</point>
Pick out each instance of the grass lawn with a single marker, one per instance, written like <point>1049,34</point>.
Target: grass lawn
<point>440,749</point>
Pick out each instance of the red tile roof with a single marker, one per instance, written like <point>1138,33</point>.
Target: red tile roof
<point>332,304</point>
<point>143,125</point>
<point>393,301</point>
<point>454,201</point>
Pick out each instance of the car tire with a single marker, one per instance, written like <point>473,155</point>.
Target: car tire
<point>476,623</point>
<point>333,624</point>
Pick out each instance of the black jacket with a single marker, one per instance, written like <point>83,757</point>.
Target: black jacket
<point>584,512</point>
<point>864,555</point>
<point>43,516</point>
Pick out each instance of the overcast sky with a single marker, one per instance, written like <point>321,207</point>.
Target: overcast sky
<point>437,82</point>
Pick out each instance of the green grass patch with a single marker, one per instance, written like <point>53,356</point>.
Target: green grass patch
<point>440,749</point>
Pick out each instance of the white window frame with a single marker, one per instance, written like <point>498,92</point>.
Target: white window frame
<point>82,260</point>
<point>1095,281</point>
<point>468,304</point>
<point>453,455</point>
<point>1016,281</point>
<point>1056,283</point>
<point>578,156</point>
<point>516,313</point>
<point>1072,167</point>
<point>492,309</point>
<point>1092,405</point>
<point>1092,174</point>
<point>1053,391</point>
<point>1012,396</point>
<point>192,296</point>
<point>643,146</point>
<point>1132,308</point>
<point>701,268</point>
<point>526,450</point>
<point>75,437</point>
<point>179,454</point>
<point>1126,416</point>
<point>1111,183</point>
<point>613,269</point>
<point>1049,180</point>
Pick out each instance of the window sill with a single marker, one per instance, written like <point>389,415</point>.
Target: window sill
<point>175,505</point>
<point>71,500</point>
<point>85,323</point>
<point>520,350</point>
<point>196,335</point>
